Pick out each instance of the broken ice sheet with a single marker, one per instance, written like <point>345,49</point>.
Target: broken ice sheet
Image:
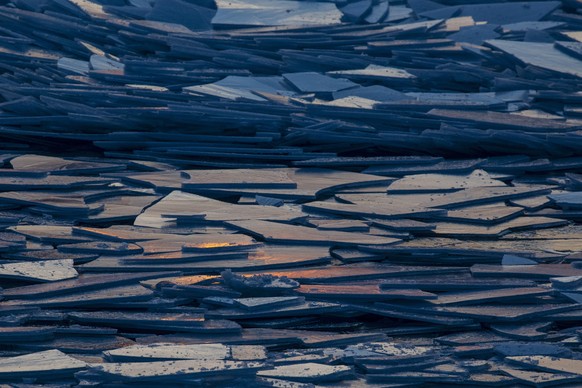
<point>100,298</point>
<point>355,272</point>
<point>489,119</point>
<point>222,243</point>
<point>361,292</point>
<point>52,182</point>
<point>368,86</point>
<point>291,234</point>
<point>494,215</point>
<point>190,207</point>
<point>51,234</point>
<point>161,352</point>
<point>82,344</point>
<point>497,13</point>
<point>349,102</point>
<point>297,183</point>
<point>18,334</point>
<point>259,283</point>
<point>261,259</point>
<point>531,348</point>
<point>461,198</point>
<point>58,166</point>
<point>341,225</point>
<point>268,179</point>
<point>549,363</point>
<point>443,182</point>
<point>540,379</point>
<point>57,204</point>
<point>174,371</point>
<point>543,55</point>
<point>83,282</point>
<point>275,13</point>
<point>449,282</point>
<point>299,309</point>
<point>317,83</point>
<point>504,313</point>
<point>102,247</point>
<point>157,321</point>
<point>567,282</point>
<point>375,72</point>
<point>539,271</point>
<point>236,87</point>
<point>568,200</point>
<point>481,297</point>
<point>368,207</point>
<point>39,271</point>
<point>266,302</point>
<point>195,17</point>
<point>476,34</point>
<point>450,167</point>
<point>52,363</point>
<point>458,230</point>
<point>309,372</point>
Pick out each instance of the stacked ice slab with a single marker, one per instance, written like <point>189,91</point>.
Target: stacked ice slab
<point>290,193</point>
